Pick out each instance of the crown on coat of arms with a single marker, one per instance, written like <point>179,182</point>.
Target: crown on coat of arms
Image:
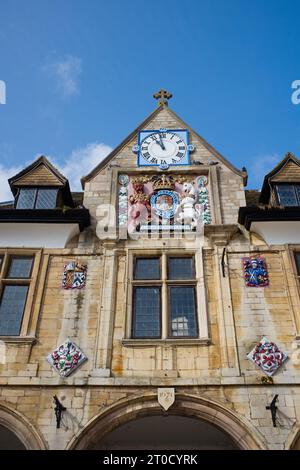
<point>163,182</point>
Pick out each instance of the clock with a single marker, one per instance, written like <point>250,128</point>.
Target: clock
<point>163,148</point>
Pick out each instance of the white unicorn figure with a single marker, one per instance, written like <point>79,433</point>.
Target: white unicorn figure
<point>188,211</point>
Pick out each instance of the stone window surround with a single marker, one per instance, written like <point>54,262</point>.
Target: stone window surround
<point>201,305</point>
<point>163,283</point>
<point>28,325</point>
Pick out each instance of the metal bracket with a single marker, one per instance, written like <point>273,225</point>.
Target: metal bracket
<point>223,262</point>
<point>273,408</point>
<point>59,408</point>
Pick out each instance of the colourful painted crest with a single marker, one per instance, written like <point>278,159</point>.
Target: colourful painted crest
<point>255,272</point>
<point>66,358</point>
<point>74,276</point>
<point>267,356</point>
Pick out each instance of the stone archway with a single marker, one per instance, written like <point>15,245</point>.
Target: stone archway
<point>9,440</point>
<point>14,424</point>
<point>166,431</point>
<point>242,433</point>
<point>293,440</point>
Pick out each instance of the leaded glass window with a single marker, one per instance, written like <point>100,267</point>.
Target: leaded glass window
<point>26,198</point>
<point>147,268</point>
<point>46,199</point>
<point>12,309</point>
<point>181,268</point>
<point>288,194</point>
<point>297,190</point>
<point>15,278</point>
<point>146,312</point>
<point>160,297</point>
<point>37,198</point>
<point>183,311</point>
<point>20,267</point>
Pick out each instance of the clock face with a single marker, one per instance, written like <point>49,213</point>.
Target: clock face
<point>164,147</point>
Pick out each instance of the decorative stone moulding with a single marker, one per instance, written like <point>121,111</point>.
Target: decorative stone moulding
<point>267,356</point>
<point>66,358</point>
<point>166,397</point>
<point>123,197</point>
<point>203,199</point>
<point>74,275</point>
<point>255,272</point>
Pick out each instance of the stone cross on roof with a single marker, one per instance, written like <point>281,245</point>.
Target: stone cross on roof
<point>162,96</point>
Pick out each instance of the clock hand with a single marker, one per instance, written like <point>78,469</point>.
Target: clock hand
<point>161,143</point>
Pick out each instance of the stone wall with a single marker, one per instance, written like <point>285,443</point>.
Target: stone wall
<point>85,403</point>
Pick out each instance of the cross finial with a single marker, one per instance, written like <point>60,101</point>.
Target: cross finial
<point>162,96</point>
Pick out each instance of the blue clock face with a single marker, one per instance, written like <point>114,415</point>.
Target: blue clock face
<point>163,148</point>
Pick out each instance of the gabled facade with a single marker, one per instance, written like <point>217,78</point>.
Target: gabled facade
<point>276,216</point>
<point>164,311</point>
<point>43,213</point>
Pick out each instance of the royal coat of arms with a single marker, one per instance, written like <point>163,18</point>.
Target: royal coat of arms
<point>267,356</point>
<point>255,272</point>
<point>66,358</point>
<point>74,275</point>
<point>165,203</point>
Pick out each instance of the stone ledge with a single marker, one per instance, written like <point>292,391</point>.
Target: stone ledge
<point>18,339</point>
<point>142,381</point>
<point>127,343</point>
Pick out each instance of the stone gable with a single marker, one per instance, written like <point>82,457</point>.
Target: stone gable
<point>229,180</point>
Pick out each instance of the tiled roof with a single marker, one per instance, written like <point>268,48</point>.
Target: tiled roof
<point>252,197</point>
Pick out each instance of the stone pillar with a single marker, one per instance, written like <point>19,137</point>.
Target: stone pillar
<point>107,312</point>
<point>220,237</point>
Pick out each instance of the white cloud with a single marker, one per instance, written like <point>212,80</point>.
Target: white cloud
<point>82,161</point>
<point>261,166</point>
<point>66,74</point>
<point>5,173</point>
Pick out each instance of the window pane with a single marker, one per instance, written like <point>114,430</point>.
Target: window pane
<point>26,199</point>
<point>11,309</point>
<point>147,268</point>
<point>183,311</point>
<point>1,261</point>
<point>297,259</point>
<point>46,199</point>
<point>297,189</point>
<point>20,268</point>
<point>181,268</point>
<point>146,312</point>
<point>286,194</point>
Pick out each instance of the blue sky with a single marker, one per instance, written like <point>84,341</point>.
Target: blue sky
<point>80,76</point>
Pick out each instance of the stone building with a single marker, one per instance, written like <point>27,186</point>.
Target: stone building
<point>160,306</point>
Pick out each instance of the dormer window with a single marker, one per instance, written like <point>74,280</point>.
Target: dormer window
<point>288,194</point>
<point>37,198</point>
